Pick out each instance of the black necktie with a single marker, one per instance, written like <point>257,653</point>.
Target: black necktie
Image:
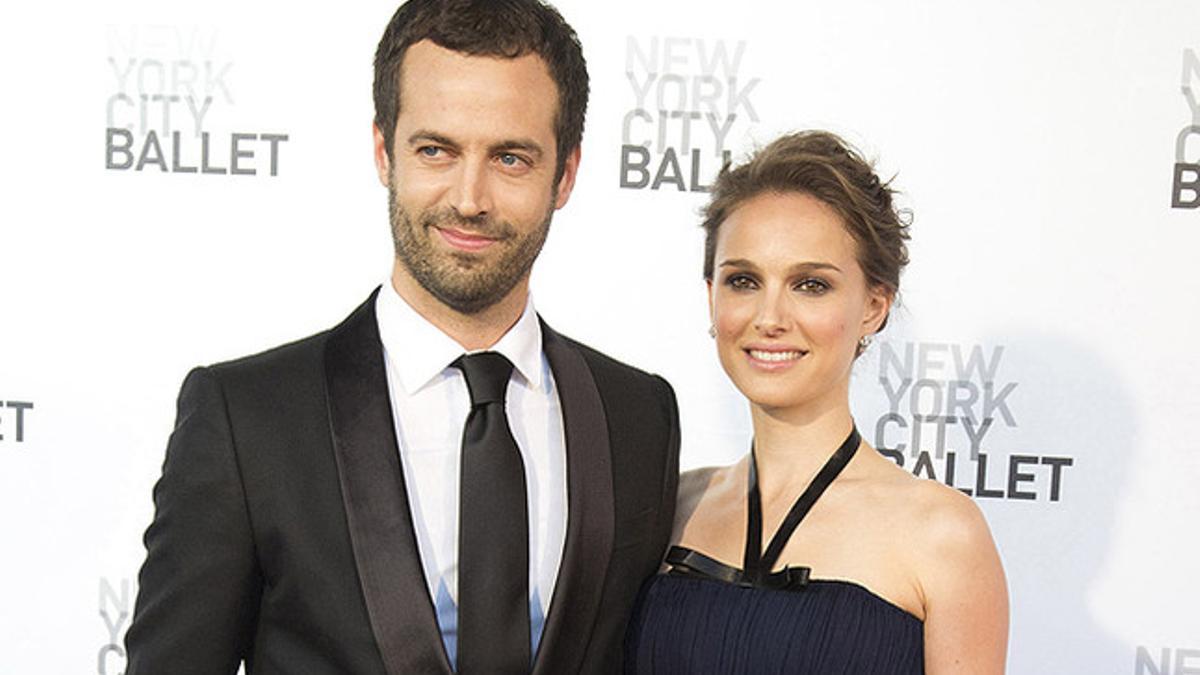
<point>493,530</point>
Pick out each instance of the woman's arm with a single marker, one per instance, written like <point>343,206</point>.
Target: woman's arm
<point>965,595</point>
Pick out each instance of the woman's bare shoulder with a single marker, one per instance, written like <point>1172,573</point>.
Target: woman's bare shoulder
<point>694,482</point>
<point>961,580</point>
<point>696,486</point>
<point>950,548</point>
<point>937,523</point>
<point>935,508</point>
<point>692,486</point>
<point>949,518</point>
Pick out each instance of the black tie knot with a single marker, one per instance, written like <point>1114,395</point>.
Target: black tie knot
<point>487,376</point>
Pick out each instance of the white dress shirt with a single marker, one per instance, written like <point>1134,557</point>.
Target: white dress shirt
<point>430,403</point>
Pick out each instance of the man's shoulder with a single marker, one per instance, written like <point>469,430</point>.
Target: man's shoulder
<point>299,353</point>
<point>604,366</point>
<point>627,392</point>
<point>303,357</point>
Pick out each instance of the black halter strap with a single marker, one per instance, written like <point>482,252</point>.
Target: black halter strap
<point>756,564</point>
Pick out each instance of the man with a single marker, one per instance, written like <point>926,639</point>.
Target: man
<point>352,502</point>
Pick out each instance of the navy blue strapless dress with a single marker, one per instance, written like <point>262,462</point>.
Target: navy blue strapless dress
<point>705,617</point>
<point>687,625</point>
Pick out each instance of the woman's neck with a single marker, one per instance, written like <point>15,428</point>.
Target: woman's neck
<point>792,445</point>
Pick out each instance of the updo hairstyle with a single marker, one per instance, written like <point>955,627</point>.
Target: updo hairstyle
<point>820,164</point>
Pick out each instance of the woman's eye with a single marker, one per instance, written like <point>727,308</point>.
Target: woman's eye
<point>812,286</point>
<point>740,282</point>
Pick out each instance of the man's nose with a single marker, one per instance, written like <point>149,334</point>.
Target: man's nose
<point>471,193</point>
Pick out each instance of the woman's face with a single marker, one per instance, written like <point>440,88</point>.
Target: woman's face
<point>789,302</point>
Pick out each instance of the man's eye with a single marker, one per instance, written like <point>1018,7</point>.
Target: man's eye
<point>509,159</point>
<point>430,151</point>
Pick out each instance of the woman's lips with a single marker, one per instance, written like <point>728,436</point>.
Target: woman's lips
<point>774,358</point>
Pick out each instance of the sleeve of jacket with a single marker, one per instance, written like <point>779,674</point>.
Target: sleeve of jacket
<point>671,471</point>
<point>199,587</point>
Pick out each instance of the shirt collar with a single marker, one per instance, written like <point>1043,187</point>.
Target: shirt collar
<point>419,351</point>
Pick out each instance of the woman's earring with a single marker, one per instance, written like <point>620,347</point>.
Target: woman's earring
<point>864,342</point>
<point>712,331</point>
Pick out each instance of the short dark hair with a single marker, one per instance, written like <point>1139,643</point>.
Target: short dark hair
<point>820,164</point>
<point>502,28</point>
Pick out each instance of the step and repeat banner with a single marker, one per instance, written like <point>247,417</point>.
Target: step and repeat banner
<point>189,182</point>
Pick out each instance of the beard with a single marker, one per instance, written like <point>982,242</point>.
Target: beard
<point>466,282</point>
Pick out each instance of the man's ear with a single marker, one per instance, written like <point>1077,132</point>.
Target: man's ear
<point>567,182</point>
<point>712,315</point>
<point>383,165</point>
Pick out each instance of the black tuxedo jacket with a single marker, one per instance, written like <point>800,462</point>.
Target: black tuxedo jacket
<point>282,534</point>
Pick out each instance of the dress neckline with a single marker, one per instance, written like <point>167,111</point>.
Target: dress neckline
<point>756,563</point>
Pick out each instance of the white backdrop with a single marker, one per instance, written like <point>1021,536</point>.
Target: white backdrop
<point>1043,351</point>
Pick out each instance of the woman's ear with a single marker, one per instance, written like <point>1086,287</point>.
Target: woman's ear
<point>879,303</point>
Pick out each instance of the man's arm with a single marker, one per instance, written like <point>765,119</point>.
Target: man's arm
<point>199,586</point>
<point>671,472</point>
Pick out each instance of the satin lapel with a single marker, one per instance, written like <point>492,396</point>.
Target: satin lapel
<point>590,513</point>
<point>381,529</point>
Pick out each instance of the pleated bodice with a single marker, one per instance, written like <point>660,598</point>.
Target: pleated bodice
<point>704,616</point>
<point>689,625</point>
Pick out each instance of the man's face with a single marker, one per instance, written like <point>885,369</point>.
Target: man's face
<point>471,185</point>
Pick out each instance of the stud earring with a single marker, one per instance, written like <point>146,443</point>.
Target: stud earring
<point>712,331</point>
<point>864,342</point>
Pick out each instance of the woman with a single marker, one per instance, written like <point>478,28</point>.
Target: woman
<point>870,570</point>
